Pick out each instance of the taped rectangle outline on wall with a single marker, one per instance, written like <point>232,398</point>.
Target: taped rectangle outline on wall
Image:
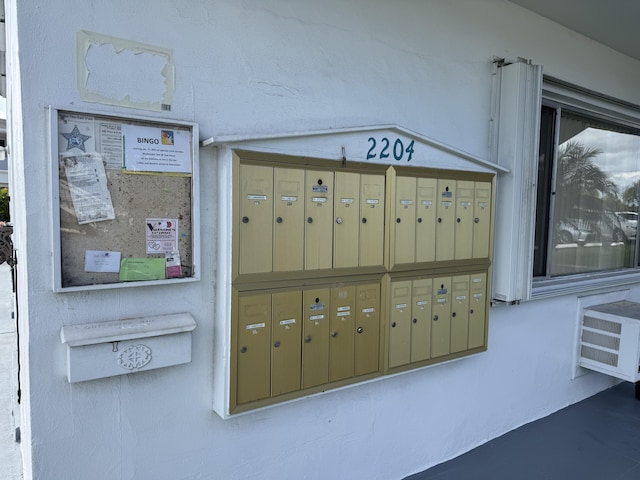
<point>86,40</point>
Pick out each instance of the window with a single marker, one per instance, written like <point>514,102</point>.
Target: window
<point>588,193</point>
<point>566,212</point>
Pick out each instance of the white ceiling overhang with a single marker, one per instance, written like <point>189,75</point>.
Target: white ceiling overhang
<point>613,23</point>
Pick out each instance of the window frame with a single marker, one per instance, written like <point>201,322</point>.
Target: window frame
<point>561,95</point>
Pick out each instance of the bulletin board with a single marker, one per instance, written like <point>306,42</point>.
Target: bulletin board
<point>125,203</point>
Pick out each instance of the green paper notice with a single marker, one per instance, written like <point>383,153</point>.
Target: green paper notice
<point>137,269</point>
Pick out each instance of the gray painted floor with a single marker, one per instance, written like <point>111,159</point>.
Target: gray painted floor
<point>10,458</point>
<point>596,439</point>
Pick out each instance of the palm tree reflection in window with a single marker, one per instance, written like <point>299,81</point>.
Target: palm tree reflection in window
<point>585,198</point>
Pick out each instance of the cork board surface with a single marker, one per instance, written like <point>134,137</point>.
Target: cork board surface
<point>135,198</point>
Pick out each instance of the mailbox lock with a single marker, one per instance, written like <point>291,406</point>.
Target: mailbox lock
<point>453,314</point>
<point>245,219</point>
<point>360,330</point>
<point>435,318</point>
<point>276,344</point>
<point>339,220</point>
<point>334,334</point>
<point>415,320</point>
<point>279,219</point>
<point>419,219</point>
<point>398,220</point>
<point>471,311</point>
<point>393,325</point>
<point>439,220</point>
<point>476,220</point>
<point>307,339</point>
<point>364,220</point>
<point>458,220</point>
<point>309,220</point>
<point>243,349</point>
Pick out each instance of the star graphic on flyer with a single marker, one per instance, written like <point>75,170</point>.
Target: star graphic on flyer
<point>75,139</point>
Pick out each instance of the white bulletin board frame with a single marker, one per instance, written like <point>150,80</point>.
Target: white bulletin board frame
<point>113,215</point>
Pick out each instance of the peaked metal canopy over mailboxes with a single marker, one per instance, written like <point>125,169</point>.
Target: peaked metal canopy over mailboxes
<point>354,254</point>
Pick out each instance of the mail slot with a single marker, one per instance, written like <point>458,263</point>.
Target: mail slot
<point>286,347</point>
<point>371,235</point>
<point>405,220</point>
<point>463,226</point>
<point>288,220</point>
<point>400,324</point>
<point>367,337</point>
<point>421,319</point>
<point>481,219</point>
<point>477,309</point>
<point>254,348</point>
<point>346,226</point>
<point>426,202</point>
<point>441,317</point>
<point>318,221</point>
<point>459,313</point>
<point>255,229</point>
<point>316,305</point>
<point>341,336</point>
<point>445,221</point>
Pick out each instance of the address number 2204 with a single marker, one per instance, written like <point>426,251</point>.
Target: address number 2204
<point>384,149</point>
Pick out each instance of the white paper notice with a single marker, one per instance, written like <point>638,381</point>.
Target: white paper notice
<point>77,133</point>
<point>101,261</point>
<point>162,235</point>
<point>88,187</point>
<point>151,149</point>
<point>110,143</point>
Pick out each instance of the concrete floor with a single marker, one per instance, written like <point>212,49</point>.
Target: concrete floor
<point>596,439</point>
<point>10,458</point>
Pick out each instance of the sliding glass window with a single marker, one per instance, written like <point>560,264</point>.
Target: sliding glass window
<point>588,194</point>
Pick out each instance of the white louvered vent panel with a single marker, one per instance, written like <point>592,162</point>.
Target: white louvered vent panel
<point>610,339</point>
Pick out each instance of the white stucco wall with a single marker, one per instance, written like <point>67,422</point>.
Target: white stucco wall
<point>260,67</point>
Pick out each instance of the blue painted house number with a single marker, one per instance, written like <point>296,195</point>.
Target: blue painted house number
<point>385,150</point>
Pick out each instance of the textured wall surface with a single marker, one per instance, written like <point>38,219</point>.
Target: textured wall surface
<point>256,68</point>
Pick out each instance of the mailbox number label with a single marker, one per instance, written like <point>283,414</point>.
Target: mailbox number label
<point>385,149</point>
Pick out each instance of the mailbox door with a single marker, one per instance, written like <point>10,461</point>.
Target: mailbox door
<point>371,220</point>
<point>288,226</point>
<point>445,223</point>
<point>405,221</point>
<point>286,351</point>
<point>347,222</point>
<point>342,335</point>
<point>464,219</point>
<point>318,222</point>
<point>400,323</point>
<point>441,317</point>
<point>367,328</point>
<point>316,305</point>
<point>422,292</point>
<point>254,352</point>
<point>477,309</point>
<point>426,219</point>
<point>482,219</point>
<point>255,222</point>
<point>459,313</point>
